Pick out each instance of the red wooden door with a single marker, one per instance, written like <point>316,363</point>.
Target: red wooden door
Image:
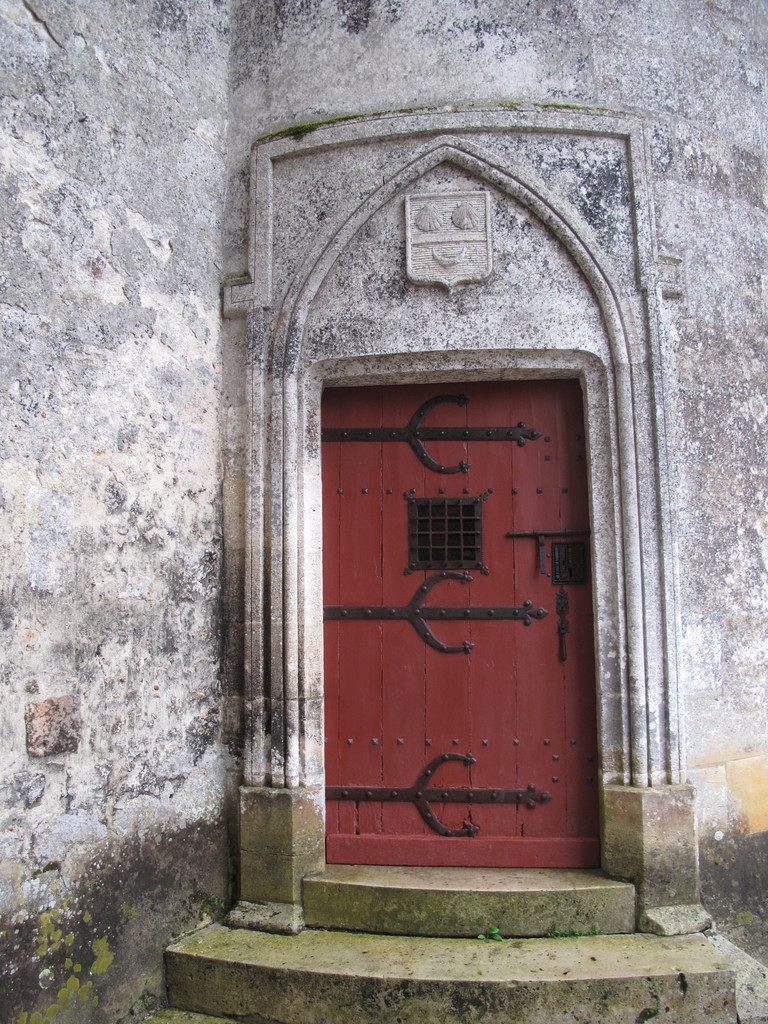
<point>460,719</point>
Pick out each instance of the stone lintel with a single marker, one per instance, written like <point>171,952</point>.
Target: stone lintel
<point>281,841</point>
<point>649,838</point>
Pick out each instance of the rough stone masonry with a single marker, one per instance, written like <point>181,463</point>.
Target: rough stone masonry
<point>124,165</point>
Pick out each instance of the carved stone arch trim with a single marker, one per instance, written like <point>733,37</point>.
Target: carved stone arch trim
<point>561,222</point>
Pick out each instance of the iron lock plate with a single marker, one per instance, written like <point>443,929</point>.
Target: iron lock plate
<point>569,562</point>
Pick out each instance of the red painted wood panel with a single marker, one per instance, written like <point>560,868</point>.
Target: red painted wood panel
<point>393,703</point>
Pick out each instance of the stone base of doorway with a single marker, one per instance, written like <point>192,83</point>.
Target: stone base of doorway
<point>461,902</point>
<point>358,978</point>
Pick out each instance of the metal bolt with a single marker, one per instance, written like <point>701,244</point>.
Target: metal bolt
<point>555,778</point>
<point>389,490</point>
<point>427,743</point>
<point>365,490</point>
<point>350,742</point>
<point>555,757</point>
<point>455,743</point>
<point>573,742</point>
<point>401,742</point>
<point>546,743</point>
<point>516,742</point>
<point>514,490</point>
<point>340,490</point>
<point>375,742</point>
<point>485,743</point>
<point>539,490</point>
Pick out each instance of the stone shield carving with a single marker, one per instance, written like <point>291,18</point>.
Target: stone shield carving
<point>448,237</point>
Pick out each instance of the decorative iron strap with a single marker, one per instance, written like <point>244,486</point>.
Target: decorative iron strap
<point>421,794</point>
<point>417,613</point>
<point>415,434</point>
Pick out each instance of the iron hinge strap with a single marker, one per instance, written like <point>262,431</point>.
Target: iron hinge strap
<point>421,794</point>
<point>415,434</point>
<point>417,613</point>
<point>386,794</point>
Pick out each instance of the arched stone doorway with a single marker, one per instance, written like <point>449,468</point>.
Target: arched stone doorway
<point>572,293</point>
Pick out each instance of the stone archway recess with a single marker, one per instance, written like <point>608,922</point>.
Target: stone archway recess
<point>648,832</point>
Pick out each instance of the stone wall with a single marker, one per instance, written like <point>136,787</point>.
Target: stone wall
<point>118,732</point>
<point>124,143</point>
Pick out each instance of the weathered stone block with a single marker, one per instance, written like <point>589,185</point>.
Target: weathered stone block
<point>53,726</point>
<point>281,840</point>
<point>27,788</point>
<point>650,839</point>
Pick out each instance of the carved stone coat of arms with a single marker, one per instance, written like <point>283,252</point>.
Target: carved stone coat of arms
<point>448,237</point>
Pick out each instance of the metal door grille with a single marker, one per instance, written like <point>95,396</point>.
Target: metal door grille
<point>445,533</point>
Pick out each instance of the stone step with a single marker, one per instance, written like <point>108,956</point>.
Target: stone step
<point>171,1016</point>
<point>355,978</point>
<point>462,902</point>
